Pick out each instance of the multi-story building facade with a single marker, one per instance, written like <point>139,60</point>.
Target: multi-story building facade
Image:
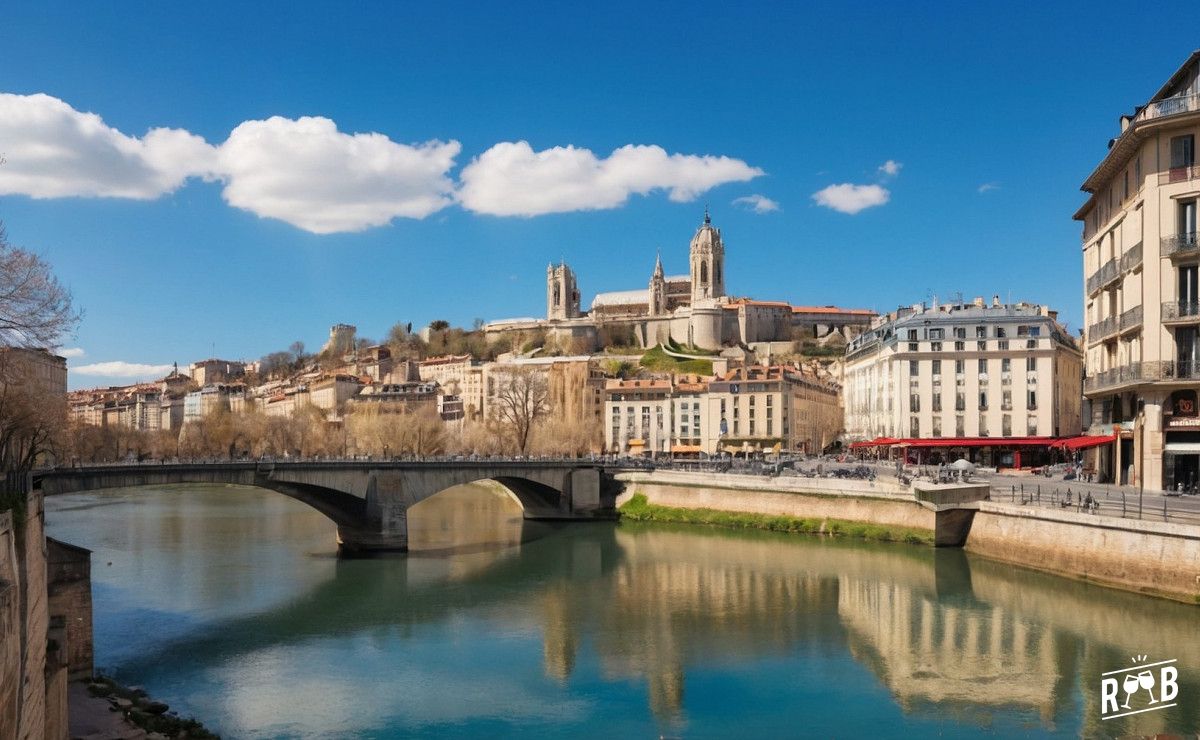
<point>459,375</point>
<point>1141,258</point>
<point>756,408</point>
<point>966,371</point>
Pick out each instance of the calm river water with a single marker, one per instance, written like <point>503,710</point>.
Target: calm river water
<point>228,603</point>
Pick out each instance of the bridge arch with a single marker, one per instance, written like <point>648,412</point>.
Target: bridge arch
<point>368,501</point>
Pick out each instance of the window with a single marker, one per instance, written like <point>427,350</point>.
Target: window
<point>914,402</point>
<point>935,346</point>
<point>1031,402</point>
<point>1030,344</point>
<point>1022,331</point>
<point>960,346</point>
<point>1002,344</point>
<point>1006,425</point>
<point>752,427</point>
<point>960,332</point>
<point>1187,217</point>
<point>960,402</point>
<point>1006,400</point>
<point>1000,332</point>
<point>768,427</point>
<point>1183,152</point>
<point>937,426</point>
<point>982,366</point>
<point>983,426</point>
<point>981,332</point>
<point>912,335</point>
<point>937,401</point>
<point>1125,191</point>
<point>914,427</point>
<point>960,426</point>
<point>913,368</point>
<point>981,345</point>
<point>937,367</point>
<point>960,367</point>
<point>1031,426</point>
<point>1006,365</point>
<point>983,400</point>
<point>1030,364</point>
<point>937,333</point>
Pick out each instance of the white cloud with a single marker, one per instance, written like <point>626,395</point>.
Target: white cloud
<point>851,199</point>
<point>757,203</point>
<point>122,369</point>
<point>54,151</point>
<point>71,352</point>
<point>510,179</point>
<point>891,168</point>
<point>988,186</point>
<point>311,175</point>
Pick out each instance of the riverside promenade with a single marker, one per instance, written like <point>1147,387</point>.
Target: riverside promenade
<point>1153,557</point>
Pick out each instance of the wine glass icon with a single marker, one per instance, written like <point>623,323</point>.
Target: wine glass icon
<point>1130,684</point>
<point>1146,680</point>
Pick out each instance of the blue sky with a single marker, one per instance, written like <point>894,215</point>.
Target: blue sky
<point>248,226</point>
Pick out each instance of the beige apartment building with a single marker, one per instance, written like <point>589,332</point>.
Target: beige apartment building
<point>1141,258</point>
<point>760,408</point>
<point>966,373</point>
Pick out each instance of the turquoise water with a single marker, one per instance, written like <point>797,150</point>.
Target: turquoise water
<point>228,603</point>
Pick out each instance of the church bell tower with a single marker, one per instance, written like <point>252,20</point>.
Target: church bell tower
<point>562,294</point>
<point>707,262</point>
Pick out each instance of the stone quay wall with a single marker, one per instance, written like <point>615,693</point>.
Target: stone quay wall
<point>873,502</point>
<point>1150,557</point>
<point>1158,558</point>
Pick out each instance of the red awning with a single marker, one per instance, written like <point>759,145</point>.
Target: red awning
<point>1084,442</point>
<point>877,442</point>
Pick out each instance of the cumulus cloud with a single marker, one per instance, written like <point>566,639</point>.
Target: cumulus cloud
<point>511,179</point>
<point>989,186</point>
<point>757,203</point>
<point>122,369</point>
<point>54,151</point>
<point>848,198</point>
<point>890,168</point>
<point>71,352</point>
<point>311,175</point>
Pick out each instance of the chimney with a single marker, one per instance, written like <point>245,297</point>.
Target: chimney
<point>995,301</point>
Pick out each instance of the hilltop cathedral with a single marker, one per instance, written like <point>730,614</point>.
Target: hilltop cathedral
<point>692,310</point>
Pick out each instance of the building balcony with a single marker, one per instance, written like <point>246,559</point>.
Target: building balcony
<point>1132,259</point>
<point>1102,330</point>
<point>1180,312</point>
<point>1179,174</point>
<point>1131,319</point>
<point>1105,275</point>
<point>1174,106</point>
<point>1176,245</point>
<point>1141,372</point>
<point>1114,377</point>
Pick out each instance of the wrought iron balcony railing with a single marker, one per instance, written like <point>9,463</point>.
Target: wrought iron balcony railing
<point>1179,174</point>
<point>1174,244</point>
<point>1168,107</point>
<point>1131,318</point>
<point>1132,258</point>
<point>1102,329</point>
<point>1180,312</point>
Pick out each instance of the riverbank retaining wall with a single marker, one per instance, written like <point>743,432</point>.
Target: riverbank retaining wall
<point>33,655</point>
<point>1150,557</point>
<point>1153,557</point>
<point>873,502</point>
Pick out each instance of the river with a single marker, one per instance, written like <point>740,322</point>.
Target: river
<point>230,605</point>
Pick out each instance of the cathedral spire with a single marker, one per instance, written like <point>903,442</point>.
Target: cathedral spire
<point>707,220</point>
<point>658,268</point>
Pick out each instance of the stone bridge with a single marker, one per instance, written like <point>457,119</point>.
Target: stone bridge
<point>369,500</point>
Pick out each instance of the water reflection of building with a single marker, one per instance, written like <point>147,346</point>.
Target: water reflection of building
<point>966,654</point>
<point>667,614</point>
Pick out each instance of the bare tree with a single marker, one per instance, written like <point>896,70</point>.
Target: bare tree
<point>521,400</point>
<point>35,309</point>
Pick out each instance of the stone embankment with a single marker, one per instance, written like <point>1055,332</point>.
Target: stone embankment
<point>1149,557</point>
